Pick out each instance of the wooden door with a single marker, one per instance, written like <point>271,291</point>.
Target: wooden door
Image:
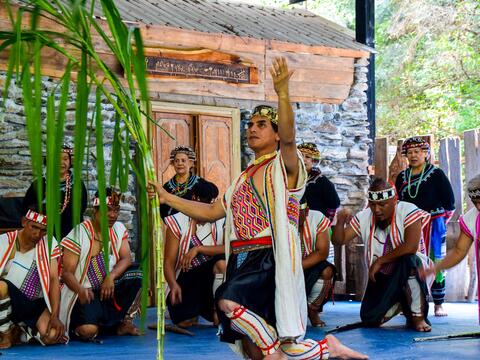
<point>215,150</point>
<point>181,128</point>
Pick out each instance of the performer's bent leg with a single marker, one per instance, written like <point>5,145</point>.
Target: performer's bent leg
<point>87,332</point>
<point>320,292</point>
<point>5,317</point>
<point>417,301</point>
<point>252,325</point>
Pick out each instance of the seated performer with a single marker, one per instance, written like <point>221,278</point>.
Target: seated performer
<point>194,261</point>
<point>92,298</point>
<point>470,234</point>
<point>320,192</point>
<point>392,234</point>
<point>319,272</point>
<point>262,303</point>
<point>29,286</point>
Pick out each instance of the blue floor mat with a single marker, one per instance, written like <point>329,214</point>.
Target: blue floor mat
<point>392,341</point>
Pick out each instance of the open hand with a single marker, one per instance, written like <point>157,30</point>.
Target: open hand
<point>280,76</point>
<point>374,268</point>
<point>176,294</point>
<point>57,327</point>
<point>107,289</point>
<point>188,257</point>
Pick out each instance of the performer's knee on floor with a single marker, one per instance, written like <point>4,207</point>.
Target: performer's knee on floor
<point>227,306</point>
<point>87,332</point>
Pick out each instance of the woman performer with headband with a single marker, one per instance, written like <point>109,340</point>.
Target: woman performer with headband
<point>470,234</point>
<point>66,192</point>
<point>426,186</point>
<point>182,158</point>
<point>391,231</point>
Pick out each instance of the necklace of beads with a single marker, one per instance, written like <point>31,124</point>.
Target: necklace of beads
<point>180,188</point>
<point>413,196</point>
<point>68,192</point>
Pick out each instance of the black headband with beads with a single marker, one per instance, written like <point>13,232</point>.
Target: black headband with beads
<point>381,195</point>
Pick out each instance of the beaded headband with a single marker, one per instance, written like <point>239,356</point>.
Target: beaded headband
<point>474,194</point>
<point>183,150</point>
<point>67,149</point>
<point>415,142</point>
<point>266,111</point>
<point>36,217</point>
<point>310,149</point>
<point>381,195</point>
<point>110,201</point>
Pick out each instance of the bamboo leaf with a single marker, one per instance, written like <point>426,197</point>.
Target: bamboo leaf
<point>102,184</point>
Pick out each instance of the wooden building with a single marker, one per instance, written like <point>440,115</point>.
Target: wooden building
<point>208,66</point>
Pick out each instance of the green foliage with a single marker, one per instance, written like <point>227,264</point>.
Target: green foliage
<point>73,40</point>
<point>427,65</point>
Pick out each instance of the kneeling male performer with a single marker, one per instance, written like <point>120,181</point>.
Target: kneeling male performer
<point>317,260</point>
<point>29,284</point>
<point>194,261</point>
<point>92,299</point>
<point>392,232</point>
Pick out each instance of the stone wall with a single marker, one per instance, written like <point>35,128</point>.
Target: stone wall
<point>341,133</point>
<point>15,168</point>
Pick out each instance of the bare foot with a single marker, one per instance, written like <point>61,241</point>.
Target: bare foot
<point>11,337</point>
<point>127,328</point>
<point>315,317</point>
<point>418,323</point>
<point>277,355</point>
<point>439,311</point>
<point>339,351</point>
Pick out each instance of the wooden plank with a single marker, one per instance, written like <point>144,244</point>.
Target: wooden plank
<point>215,138</point>
<point>471,142</point>
<point>157,34</point>
<point>303,60</point>
<point>318,50</point>
<point>398,164</point>
<point>310,91</point>
<point>381,157</point>
<point>450,163</point>
<point>208,88</point>
<point>321,76</point>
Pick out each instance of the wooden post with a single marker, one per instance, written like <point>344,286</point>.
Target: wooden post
<point>450,163</point>
<point>381,157</point>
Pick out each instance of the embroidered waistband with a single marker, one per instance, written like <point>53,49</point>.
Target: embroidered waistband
<point>239,246</point>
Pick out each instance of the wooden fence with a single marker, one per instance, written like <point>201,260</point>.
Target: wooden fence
<point>459,168</point>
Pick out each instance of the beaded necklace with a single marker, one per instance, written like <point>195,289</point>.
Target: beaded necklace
<point>68,191</point>
<point>409,185</point>
<point>180,188</point>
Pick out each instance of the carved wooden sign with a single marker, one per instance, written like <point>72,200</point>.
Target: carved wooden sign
<point>204,64</point>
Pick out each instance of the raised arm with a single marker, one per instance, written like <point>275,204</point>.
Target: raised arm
<point>340,234</point>
<point>286,119</point>
<point>194,209</point>
<point>454,256</point>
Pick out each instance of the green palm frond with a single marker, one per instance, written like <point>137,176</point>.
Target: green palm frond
<point>127,93</point>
